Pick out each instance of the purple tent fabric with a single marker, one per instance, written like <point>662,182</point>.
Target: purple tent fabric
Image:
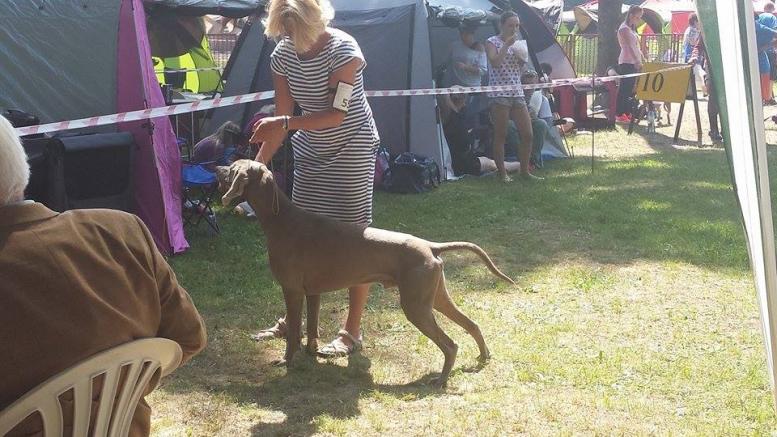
<point>157,159</point>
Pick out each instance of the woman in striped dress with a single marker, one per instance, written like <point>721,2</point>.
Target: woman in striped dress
<point>320,69</point>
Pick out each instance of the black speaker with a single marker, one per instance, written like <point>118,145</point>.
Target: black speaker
<point>83,171</point>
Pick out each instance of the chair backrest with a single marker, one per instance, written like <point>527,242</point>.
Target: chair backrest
<point>135,363</point>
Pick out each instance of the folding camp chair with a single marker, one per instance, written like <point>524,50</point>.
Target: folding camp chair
<point>199,187</point>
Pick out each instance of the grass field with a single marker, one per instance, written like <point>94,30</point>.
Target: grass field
<point>634,313</point>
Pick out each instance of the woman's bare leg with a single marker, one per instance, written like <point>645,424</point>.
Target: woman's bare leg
<point>499,114</point>
<point>520,115</point>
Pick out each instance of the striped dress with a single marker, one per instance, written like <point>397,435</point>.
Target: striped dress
<point>334,167</point>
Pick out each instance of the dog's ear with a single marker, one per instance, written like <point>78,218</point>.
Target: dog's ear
<point>239,176</point>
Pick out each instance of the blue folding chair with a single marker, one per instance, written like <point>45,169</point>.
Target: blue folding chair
<point>199,186</point>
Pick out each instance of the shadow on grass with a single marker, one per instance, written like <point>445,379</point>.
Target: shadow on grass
<point>307,394</point>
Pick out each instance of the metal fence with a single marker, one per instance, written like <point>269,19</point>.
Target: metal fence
<point>221,45</point>
<point>582,49</point>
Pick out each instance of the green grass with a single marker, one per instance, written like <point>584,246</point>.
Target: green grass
<point>634,313</point>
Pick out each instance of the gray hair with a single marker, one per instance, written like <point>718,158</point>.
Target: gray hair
<point>14,170</point>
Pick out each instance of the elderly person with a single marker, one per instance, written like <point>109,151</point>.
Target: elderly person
<point>629,61</point>
<point>77,283</point>
<point>335,145</point>
<point>507,61</point>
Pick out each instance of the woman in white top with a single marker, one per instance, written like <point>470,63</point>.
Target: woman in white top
<point>506,68</point>
<point>629,61</point>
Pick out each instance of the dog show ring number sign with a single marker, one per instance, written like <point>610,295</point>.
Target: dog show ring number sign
<point>663,86</point>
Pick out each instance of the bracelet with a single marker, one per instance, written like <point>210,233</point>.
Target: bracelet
<point>285,122</point>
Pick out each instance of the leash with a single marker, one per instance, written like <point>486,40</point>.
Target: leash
<point>276,202</point>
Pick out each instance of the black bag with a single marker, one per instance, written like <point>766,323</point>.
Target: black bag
<point>411,173</point>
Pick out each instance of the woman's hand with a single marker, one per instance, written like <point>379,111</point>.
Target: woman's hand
<point>268,129</point>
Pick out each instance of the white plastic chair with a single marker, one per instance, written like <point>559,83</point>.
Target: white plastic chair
<point>140,360</point>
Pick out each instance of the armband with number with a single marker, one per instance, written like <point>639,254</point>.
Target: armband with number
<point>342,96</point>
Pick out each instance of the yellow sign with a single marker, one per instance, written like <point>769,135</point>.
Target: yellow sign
<point>663,86</point>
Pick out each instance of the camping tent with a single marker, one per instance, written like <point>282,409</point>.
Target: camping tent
<point>77,78</point>
<point>404,45</point>
<point>179,43</point>
<point>674,11</point>
<point>587,19</point>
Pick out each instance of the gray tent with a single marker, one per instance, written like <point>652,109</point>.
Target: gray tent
<point>404,43</point>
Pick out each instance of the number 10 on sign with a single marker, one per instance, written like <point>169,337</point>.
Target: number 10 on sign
<point>663,86</point>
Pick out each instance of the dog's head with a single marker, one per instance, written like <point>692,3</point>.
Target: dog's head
<point>234,179</point>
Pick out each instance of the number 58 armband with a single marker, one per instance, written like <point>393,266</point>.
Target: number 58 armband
<point>342,96</point>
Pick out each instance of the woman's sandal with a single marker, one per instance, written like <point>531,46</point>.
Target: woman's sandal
<point>277,331</point>
<point>337,348</point>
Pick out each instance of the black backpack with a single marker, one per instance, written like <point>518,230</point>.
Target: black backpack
<point>411,173</point>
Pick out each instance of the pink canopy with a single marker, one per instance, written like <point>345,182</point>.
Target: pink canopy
<point>157,159</point>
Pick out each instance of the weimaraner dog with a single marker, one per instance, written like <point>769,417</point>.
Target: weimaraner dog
<point>311,254</point>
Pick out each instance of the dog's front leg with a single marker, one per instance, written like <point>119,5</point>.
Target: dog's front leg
<point>293,322</point>
<point>314,304</point>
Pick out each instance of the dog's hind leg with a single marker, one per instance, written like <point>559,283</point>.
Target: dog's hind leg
<point>416,296</point>
<point>314,305</point>
<point>444,304</point>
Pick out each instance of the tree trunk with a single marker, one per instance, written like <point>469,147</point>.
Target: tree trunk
<point>610,19</point>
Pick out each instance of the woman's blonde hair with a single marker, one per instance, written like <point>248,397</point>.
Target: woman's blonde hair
<point>14,171</point>
<point>301,20</point>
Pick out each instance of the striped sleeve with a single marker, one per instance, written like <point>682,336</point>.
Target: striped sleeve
<point>345,52</point>
<point>277,62</point>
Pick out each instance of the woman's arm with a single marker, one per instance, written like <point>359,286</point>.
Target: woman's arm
<point>330,117</point>
<point>496,57</point>
<point>284,105</point>
<point>482,63</point>
<point>271,130</point>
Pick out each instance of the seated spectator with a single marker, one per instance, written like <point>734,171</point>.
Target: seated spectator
<point>221,147</point>
<point>538,125</point>
<point>460,139</point>
<point>77,283</point>
<point>539,104</point>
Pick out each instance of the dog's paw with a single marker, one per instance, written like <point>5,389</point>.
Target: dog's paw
<point>312,347</point>
<point>438,382</point>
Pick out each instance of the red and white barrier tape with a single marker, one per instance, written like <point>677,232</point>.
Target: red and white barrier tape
<point>219,102</point>
<point>188,70</point>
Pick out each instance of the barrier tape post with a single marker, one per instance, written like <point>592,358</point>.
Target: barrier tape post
<point>219,102</point>
<point>593,131</point>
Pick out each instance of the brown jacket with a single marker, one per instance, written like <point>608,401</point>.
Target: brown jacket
<point>77,283</point>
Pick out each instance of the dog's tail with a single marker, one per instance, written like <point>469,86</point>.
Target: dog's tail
<point>438,248</point>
